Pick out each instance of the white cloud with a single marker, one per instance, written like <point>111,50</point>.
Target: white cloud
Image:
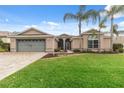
<point>121,24</point>
<point>107,7</point>
<point>50,23</point>
<point>119,15</point>
<point>53,23</point>
<point>28,26</point>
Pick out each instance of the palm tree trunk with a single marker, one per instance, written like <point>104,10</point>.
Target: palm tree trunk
<point>111,42</point>
<point>79,25</point>
<point>99,43</point>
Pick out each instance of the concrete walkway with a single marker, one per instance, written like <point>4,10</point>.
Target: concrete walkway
<point>12,62</point>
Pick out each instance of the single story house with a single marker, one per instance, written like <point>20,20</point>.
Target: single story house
<point>33,40</point>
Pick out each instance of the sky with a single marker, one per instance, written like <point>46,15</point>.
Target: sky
<point>48,18</point>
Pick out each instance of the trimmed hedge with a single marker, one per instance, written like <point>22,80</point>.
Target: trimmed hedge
<point>57,50</point>
<point>118,48</point>
<point>76,51</point>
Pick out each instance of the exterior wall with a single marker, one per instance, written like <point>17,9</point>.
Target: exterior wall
<point>102,42</point>
<point>75,43</point>
<point>12,44</point>
<point>105,44</point>
<point>119,39</point>
<point>50,44</point>
<point>85,44</point>
<point>56,45</point>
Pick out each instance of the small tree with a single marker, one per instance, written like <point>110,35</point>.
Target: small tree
<point>5,46</point>
<point>1,43</point>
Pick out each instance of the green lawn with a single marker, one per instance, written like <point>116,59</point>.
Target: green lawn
<point>85,70</point>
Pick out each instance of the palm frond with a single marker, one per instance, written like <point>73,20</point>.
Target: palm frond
<point>102,22</point>
<point>118,8</point>
<point>69,16</point>
<point>90,15</point>
<point>102,25</point>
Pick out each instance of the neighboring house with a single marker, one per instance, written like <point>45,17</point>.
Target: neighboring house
<point>33,40</point>
<point>4,36</point>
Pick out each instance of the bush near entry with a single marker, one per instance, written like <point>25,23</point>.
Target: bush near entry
<point>118,48</point>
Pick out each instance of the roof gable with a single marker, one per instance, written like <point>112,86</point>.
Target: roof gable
<point>32,31</point>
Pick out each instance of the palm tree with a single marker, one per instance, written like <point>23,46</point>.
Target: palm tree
<point>82,15</point>
<point>101,24</point>
<point>115,27</point>
<point>114,9</point>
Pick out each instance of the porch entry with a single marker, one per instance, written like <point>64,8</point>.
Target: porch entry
<point>64,44</point>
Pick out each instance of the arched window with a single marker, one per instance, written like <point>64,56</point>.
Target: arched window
<point>92,41</point>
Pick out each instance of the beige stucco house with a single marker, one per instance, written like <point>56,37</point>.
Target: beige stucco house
<point>33,40</point>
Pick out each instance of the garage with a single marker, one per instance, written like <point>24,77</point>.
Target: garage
<point>30,45</point>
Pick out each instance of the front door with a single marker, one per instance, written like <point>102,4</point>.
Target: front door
<point>68,44</point>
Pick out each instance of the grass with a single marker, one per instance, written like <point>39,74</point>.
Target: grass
<point>77,71</point>
<point>2,50</point>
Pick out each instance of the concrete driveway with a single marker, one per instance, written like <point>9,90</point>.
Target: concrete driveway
<point>11,62</point>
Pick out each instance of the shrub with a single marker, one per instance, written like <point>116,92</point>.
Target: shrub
<point>118,47</point>
<point>76,51</point>
<point>57,50</point>
<point>4,46</point>
<point>106,52</point>
<point>84,51</point>
<point>121,50</point>
<point>49,55</point>
<point>1,43</point>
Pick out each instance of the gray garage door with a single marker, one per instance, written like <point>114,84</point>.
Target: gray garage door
<point>28,45</point>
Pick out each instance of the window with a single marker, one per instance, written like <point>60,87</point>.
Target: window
<point>92,41</point>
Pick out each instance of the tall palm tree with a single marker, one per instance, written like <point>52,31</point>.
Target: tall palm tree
<point>114,9</point>
<point>82,15</point>
<point>101,24</point>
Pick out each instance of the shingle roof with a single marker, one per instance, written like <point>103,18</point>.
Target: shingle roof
<point>44,33</point>
<point>4,33</point>
<point>91,31</point>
